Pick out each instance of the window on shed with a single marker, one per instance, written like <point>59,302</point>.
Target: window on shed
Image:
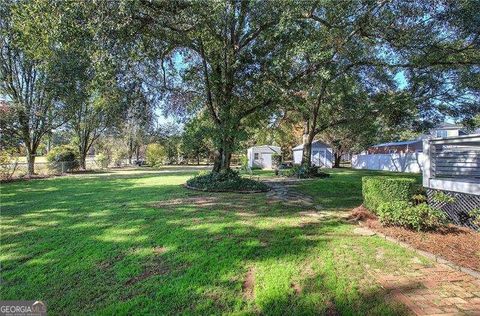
<point>442,133</point>
<point>255,156</point>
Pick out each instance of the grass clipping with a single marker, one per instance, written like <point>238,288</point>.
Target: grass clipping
<point>225,181</point>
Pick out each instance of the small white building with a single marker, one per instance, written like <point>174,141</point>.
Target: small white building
<point>261,156</point>
<point>322,154</point>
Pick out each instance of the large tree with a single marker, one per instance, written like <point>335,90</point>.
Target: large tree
<point>381,48</point>
<point>29,81</point>
<point>221,57</point>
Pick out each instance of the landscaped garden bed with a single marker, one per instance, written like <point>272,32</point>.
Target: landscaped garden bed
<point>457,244</point>
<point>225,181</point>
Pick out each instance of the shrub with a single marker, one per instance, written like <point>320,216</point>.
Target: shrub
<point>63,158</point>
<point>379,189</point>
<point>155,154</point>
<point>225,180</point>
<point>441,197</point>
<point>119,154</point>
<point>244,162</point>
<point>475,216</point>
<point>420,217</point>
<point>304,172</point>
<point>103,160</point>
<point>8,164</point>
<point>276,160</point>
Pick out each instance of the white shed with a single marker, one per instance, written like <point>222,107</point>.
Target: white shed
<point>261,156</point>
<point>322,154</point>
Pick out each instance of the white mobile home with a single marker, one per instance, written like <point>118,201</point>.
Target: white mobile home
<point>261,156</point>
<point>322,154</point>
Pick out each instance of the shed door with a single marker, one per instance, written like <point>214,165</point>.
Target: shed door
<point>267,160</point>
<point>319,158</point>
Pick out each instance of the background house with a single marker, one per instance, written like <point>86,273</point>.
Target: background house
<point>261,156</point>
<point>404,156</point>
<point>322,154</point>
<point>415,145</point>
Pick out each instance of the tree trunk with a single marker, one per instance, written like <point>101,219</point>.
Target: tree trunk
<point>337,157</point>
<point>83,162</point>
<point>130,151</point>
<point>223,156</point>
<point>307,148</point>
<point>31,162</point>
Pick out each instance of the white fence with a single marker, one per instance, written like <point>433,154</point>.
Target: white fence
<point>402,162</point>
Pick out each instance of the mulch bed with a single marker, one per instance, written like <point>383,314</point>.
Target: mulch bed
<point>457,244</point>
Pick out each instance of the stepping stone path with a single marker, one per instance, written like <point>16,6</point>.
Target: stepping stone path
<point>281,192</point>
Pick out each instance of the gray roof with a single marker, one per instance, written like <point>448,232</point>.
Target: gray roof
<point>407,142</point>
<point>446,125</point>
<point>268,148</point>
<point>315,143</point>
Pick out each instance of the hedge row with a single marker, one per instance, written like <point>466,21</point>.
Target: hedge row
<point>377,190</point>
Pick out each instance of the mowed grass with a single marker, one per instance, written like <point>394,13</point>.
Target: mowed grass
<point>343,189</point>
<point>136,242</point>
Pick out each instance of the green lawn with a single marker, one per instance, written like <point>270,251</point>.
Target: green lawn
<point>136,242</point>
<point>343,189</point>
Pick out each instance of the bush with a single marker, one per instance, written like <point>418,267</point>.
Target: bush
<point>225,180</point>
<point>244,162</point>
<point>119,154</point>
<point>8,164</point>
<point>304,172</point>
<point>155,155</point>
<point>276,160</point>
<point>103,160</point>
<point>63,158</point>
<point>475,216</point>
<point>420,217</point>
<point>379,189</point>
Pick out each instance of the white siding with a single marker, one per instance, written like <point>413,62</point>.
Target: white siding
<point>401,162</point>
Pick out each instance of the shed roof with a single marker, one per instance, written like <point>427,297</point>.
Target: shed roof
<point>403,143</point>
<point>315,143</point>
<point>267,148</point>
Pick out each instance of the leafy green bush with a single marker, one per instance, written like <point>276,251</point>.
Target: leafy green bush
<point>8,163</point>
<point>244,162</point>
<point>380,189</point>
<point>227,180</point>
<point>103,160</point>
<point>304,172</point>
<point>276,160</point>
<point>63,158</point>
<point>155,154</point>
<point>420,217</point>
<point>442,197</point>
<point>475,215</point>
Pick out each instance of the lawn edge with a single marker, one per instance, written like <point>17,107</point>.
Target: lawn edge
<point>427,254</point>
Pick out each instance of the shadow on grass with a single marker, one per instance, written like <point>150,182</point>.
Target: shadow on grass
<point>110,243</point>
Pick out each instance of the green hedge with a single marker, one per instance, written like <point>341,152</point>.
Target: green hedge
<point>381,189</point>
<point>421,217</point>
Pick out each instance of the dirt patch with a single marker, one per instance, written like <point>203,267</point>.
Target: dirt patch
<point>159,250</point>
<point>249,284</point>
<point>457,244</point>
<point>157,267</point>
<point>297,289</point>
<point>360,213</point>
<point>331,309</point>
<point>107,264</point>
